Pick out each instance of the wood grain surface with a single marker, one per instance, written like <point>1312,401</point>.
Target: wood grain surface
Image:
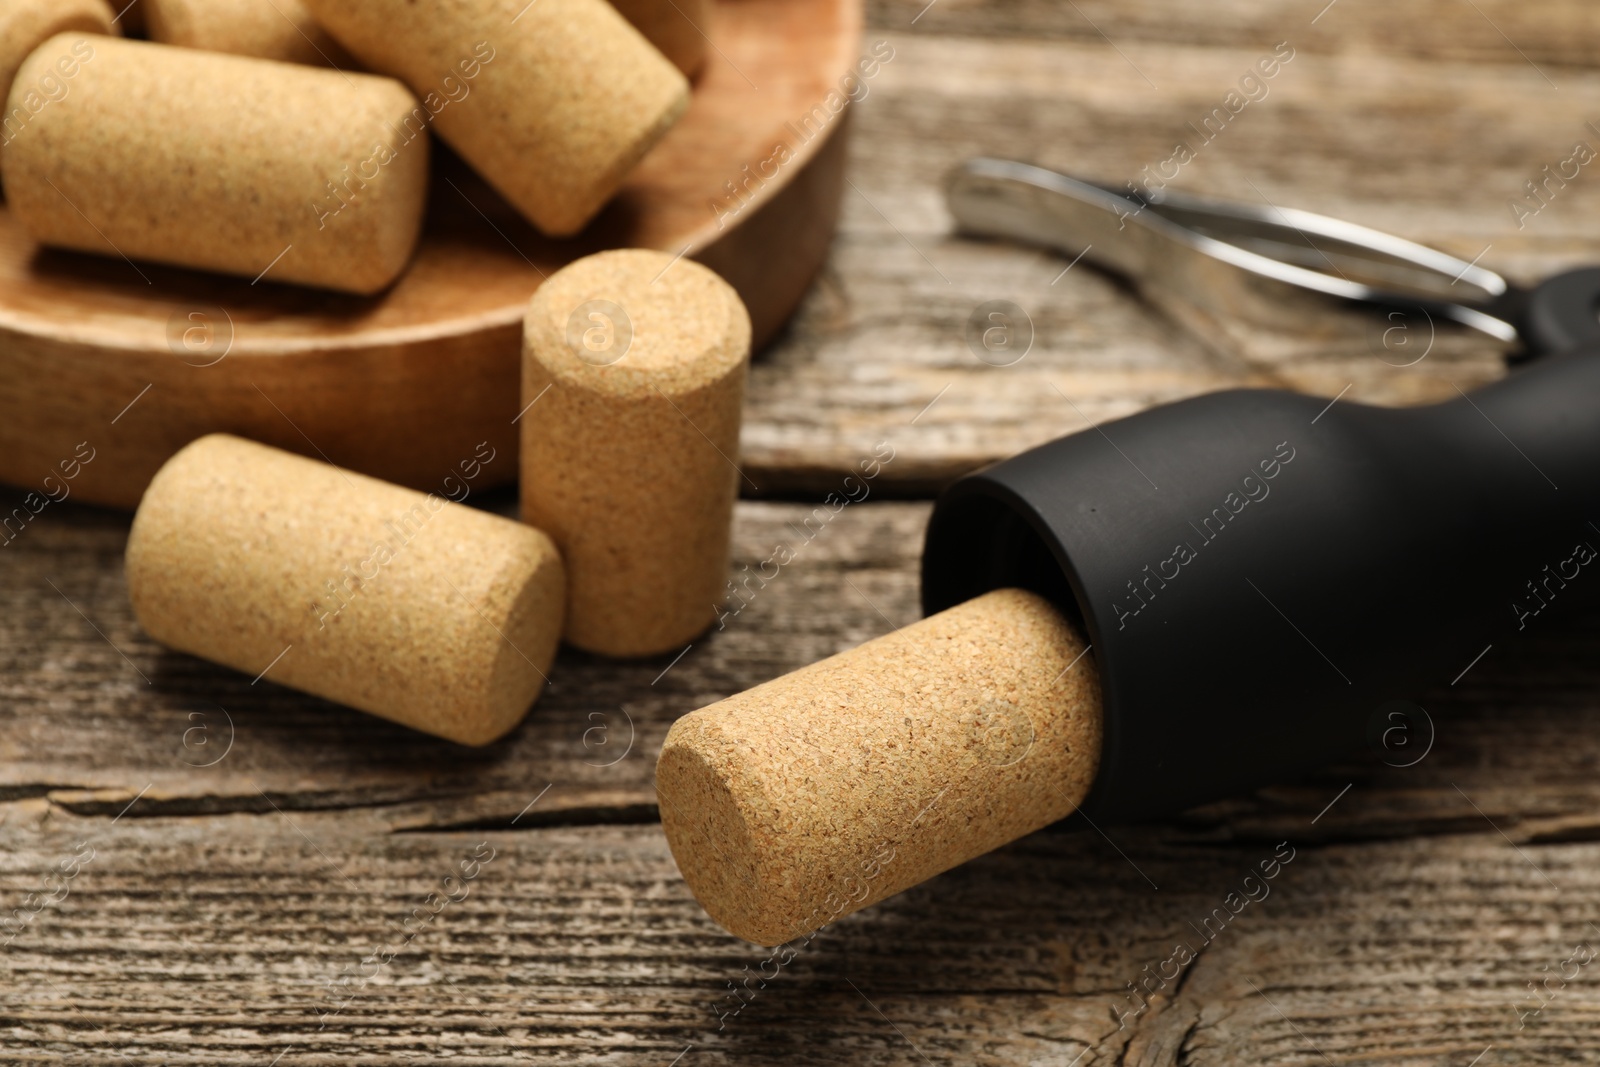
<point>225,911</point>
<point>253,868</point>
<point>1416,119</point>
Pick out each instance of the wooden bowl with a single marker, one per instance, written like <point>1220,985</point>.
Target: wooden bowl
<point>138,361</point>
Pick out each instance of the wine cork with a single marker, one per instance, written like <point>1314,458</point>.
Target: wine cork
<point>678,28</point>
<point>399,603</point>
<point>26,24</point>
<point>267,29</point>
<point>552,102</point>
<point>288,173</point>
<point>829,789</point>
<point>634,368</point>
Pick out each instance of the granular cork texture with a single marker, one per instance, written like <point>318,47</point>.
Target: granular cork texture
<point>680,29</point>
<point>24,26</point>
<point>634,367</point>
<point>267,29</point>
<point>399,603</point>
<point>553,102</point>
<point>246,166</point>
<point>829,789</point>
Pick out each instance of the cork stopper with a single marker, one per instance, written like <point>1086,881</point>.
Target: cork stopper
<point>633,374</point>
<point>552,102</point>
<point>290,173</point>
<point>24,26</point>
<point>680,29</point>
<point>267,29</point>
<point>829,789</point>
<point>399,603</point>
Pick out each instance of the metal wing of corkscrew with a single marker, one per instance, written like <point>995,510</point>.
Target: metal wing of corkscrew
<point>1236,259</point>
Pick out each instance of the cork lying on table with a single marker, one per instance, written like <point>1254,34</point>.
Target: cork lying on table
<point>553,102</point>
<point>680,29</point>
<point>829,789</point>
<point>268,29</point>
<point>633,367</point>
<point>400,603</point>
<point>26,24</point>
<point>268,170</point>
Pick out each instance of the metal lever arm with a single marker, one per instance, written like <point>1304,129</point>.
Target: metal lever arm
<point>1209,251</point>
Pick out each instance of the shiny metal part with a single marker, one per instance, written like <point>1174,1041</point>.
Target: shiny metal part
<point>1223,256</point>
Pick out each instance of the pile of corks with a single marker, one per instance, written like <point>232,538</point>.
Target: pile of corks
<point>218,146</point>
<point>786,807</point>
<point>397,602</point>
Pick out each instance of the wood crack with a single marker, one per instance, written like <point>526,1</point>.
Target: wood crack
<point>638,814</point>
<point>1158,1037</point>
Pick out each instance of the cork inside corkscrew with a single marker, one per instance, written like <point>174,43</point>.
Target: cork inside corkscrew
<point>848,781</point>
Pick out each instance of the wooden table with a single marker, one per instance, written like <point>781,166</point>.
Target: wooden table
<point>247,864</point>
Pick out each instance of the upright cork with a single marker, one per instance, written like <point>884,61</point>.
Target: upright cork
<point>399,603</point>
<point>633,373</point>
<point>267,29</point>
<point>552,102</point>
<point>288,173</point>
<point>829,789</point>
<point>680,29</point>
<point>24,26</point>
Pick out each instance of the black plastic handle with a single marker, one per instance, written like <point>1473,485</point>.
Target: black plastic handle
<point>1259,572</point>
<point>1562,314</point>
